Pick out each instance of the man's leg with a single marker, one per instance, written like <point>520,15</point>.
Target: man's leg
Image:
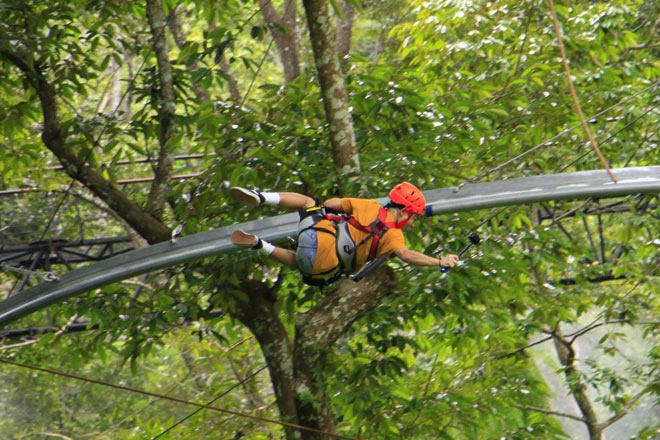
<point>284,256</point>
<point>287,200</point>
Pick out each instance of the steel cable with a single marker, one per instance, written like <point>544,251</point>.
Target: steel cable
<point>173,399</point>
<point>557,136</point>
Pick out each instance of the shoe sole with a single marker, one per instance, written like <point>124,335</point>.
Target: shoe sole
<point>240,238</point>
<point>244,196</point>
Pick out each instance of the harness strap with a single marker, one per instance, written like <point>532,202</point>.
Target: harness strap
<point>308,220</point>
<point>375,230</point>
<point>347,248</point>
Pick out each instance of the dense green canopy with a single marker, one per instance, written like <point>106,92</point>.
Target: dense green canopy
<point>548,331</point>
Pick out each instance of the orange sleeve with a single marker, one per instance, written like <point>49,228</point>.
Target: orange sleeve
<point>392,240</point>
<point>347,205</point>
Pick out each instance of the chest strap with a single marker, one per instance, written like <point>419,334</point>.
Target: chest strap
<point>375,230</point>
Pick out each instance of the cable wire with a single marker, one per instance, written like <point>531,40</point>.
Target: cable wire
<point>612,136</point>
<point>210,402</point>
<point>174,399</point>
<point>557,136</point>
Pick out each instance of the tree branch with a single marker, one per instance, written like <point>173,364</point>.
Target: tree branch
<point>344,30</point>
<point>550,412</point>
<point>166,111</point>
<point>566,356</point>
<point>318,329</point>
<point>600,324</point>
<point>19,344</point>
<point>180,40</point>
<point>623,411</point>
<point>322,325</point>
<point>284,32</point>
<point>76,166</point>
<point>523,348</point>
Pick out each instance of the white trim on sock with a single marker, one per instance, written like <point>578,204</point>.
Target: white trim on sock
<point>271,197</point>
<point>266,248</point>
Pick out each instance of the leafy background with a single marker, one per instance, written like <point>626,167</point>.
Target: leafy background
<point>441,93</point>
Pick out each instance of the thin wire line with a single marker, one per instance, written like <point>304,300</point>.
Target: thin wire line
<point>610,137</point>
<point>547,142</point>
<point>174,399</point>
<point>224,393</point>
<point>261,63</point>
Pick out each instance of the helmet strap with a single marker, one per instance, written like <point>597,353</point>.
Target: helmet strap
<point>401,223</point>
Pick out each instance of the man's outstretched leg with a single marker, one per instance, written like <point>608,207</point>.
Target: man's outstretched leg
<point>288,200</point>
<point>284,256</point>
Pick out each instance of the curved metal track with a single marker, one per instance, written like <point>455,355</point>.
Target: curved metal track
<point>584,184</point>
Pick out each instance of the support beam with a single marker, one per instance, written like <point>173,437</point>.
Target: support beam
<point>75,327</point>
<point>584,184</point>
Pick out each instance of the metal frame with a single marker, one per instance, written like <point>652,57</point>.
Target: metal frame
<point>43,254</point>
<point>583,184</point>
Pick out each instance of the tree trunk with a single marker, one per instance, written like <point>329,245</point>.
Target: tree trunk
<point>298,370</point>
<point>566,355</point>
<point>316,332</point>
<point>166,111</point>
<point>259,314</point>
<point>285,35</point>
<point>344,31</point>
<point>333,89</point>
<point>232,83</point>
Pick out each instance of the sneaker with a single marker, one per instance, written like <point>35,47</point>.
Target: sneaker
<point>247,196</point>
<point>243,239</point>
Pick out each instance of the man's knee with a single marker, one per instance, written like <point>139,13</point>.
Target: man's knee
<point>309,202</point>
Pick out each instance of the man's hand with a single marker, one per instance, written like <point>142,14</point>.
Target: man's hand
<point>449,260</point>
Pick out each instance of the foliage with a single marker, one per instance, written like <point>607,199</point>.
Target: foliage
<point>441,92</point>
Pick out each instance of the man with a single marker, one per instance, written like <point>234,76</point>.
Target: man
<point>343,234</point>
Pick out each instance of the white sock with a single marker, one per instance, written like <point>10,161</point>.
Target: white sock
<point>271,197</point>
<point>266,248</point>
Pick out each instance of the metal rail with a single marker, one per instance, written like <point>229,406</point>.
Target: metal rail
<point>578,185</point>
<point>563,186</point>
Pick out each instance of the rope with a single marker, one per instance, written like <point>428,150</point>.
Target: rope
<point>174,399</point>
<point>576,102</point>
<point>557,136</point>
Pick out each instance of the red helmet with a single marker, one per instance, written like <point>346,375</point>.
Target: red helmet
<point>410,196</point>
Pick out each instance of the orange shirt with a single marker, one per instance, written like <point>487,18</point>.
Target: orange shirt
<point>365,212</point>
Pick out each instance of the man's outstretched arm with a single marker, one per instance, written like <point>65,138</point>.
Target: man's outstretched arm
<point>419,259</point>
